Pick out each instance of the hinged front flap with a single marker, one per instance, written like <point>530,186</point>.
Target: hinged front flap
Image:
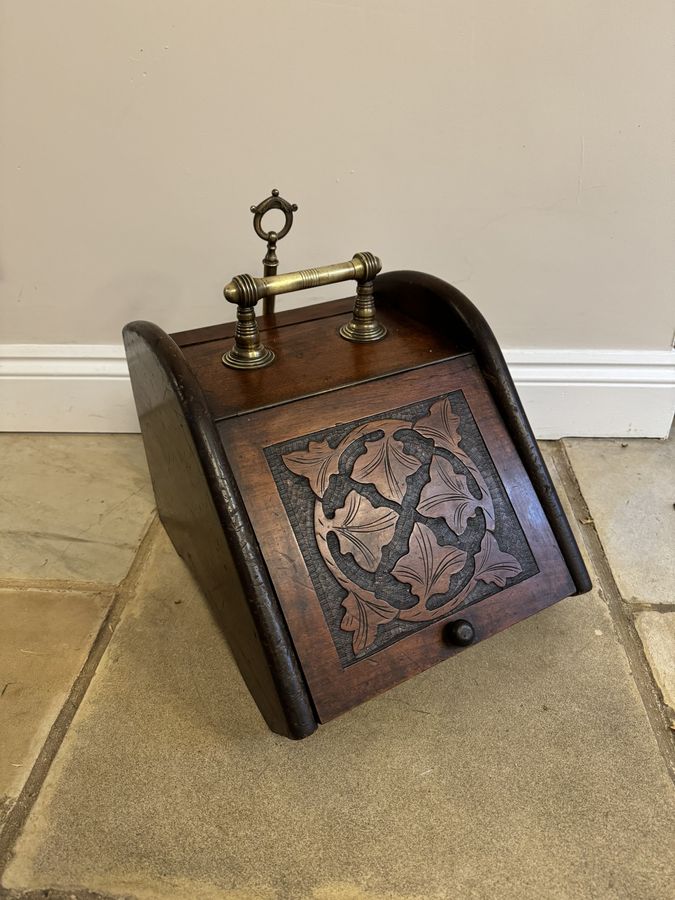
<point>386,510</point>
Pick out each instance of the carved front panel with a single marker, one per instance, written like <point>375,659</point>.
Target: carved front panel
<point>401,519</point>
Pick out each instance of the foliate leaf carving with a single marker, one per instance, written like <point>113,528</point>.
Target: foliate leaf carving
<point>363,613</point>
<point>441,425</point>
<point>492,565</point>
<point>428,567</point>
<point>317,464</point>
<point>385,462</point>
<point>448,495</point>
<point>319,461</point>
<point>363,529</point>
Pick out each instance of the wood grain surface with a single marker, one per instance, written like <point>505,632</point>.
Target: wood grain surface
<point>311,357</point>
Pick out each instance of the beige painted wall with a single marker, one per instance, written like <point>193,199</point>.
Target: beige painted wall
<point>521,149</point>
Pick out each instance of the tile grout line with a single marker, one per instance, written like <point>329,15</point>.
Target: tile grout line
<point>655,708</point>
<point>57,586</point>
<point>71,585</point>
<point>640,606</point>
<point>21,809</point>
<point>60,894</point>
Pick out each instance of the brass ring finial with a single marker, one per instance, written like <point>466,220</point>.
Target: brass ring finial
<point>271,260</point>
<point>274,201</point>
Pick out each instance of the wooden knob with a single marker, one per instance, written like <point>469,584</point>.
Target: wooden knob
<point>460,633</point>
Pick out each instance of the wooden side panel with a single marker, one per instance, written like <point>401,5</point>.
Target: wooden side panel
<point>191,480</point>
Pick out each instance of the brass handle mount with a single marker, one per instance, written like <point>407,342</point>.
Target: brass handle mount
<point>249,352</point>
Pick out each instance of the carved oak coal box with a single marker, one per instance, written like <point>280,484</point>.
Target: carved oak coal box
<point>354,512</point>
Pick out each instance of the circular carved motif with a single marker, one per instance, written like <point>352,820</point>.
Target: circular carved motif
<point>394,480</point>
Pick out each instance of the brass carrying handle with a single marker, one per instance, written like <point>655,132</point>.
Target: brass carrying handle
<point>247,289</point>
<point>248,351</point>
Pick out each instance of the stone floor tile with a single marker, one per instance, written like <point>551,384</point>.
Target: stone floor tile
<point>45,638</point>
<point>73,507</point>
<point>657,631</point>
<point>525,767</point>
<point>629,487</point>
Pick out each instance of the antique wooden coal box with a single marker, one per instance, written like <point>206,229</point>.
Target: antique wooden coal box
<point>354,484</point>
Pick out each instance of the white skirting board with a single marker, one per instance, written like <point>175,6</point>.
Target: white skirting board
<point>566,393</point>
